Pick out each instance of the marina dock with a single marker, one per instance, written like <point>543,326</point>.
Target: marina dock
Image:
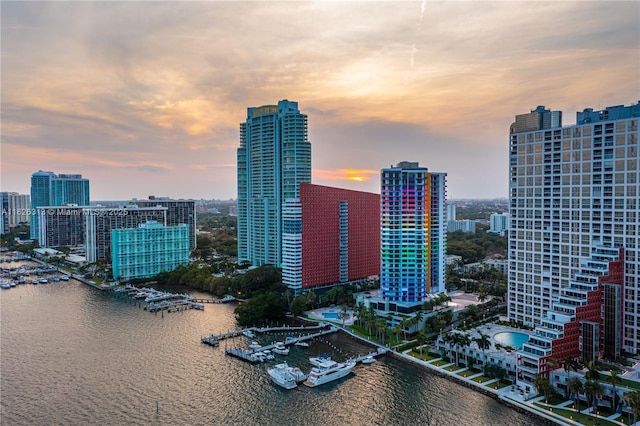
<point>249,354</point>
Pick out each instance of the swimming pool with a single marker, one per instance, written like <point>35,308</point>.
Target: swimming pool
<point>331,315</point>
<point>511,338</point>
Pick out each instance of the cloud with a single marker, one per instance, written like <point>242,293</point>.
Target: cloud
<point>159,88</point>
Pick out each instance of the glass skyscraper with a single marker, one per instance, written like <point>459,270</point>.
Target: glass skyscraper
<point>49,189</point>
<point>274,157</point>
<point>412,239</point>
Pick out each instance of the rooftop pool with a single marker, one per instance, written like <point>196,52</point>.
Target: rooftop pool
<point>511,338</point>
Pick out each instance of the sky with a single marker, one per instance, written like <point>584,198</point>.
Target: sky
<point>146,98</point>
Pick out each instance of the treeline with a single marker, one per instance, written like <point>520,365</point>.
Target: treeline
<point>474,247</point>
<point>200,276</point>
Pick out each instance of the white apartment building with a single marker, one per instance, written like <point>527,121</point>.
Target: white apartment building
<point>499,223</point>
<point>572,188</point>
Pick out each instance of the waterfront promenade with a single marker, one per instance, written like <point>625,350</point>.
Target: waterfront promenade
<point>509,395</point>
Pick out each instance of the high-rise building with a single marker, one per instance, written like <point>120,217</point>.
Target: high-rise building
<point>413,232</point>
<point>330,236</point>
<point>149,249</point>
<point>451,212</point>
<point>60,226</point>
<point>15,210</point>
<point>178,212</point>
<point>274,158</point>
<point>49,189</point>
<point>499,223</point>
<point>572,189</point>
<point>99,221</point>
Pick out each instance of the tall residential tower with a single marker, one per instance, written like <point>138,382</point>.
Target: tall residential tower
<point>412,239</point>
<point>573,189</point>
<point>274,158</point>
<point>49,189</point>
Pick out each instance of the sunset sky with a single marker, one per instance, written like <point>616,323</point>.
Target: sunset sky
<point>146,97</point>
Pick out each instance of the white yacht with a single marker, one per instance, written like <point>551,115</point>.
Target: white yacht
<point>285,376</point>
<point>302,344</point>
<point>318,360</point>
<point>248,333</point>
<point>369,359</point>
<point>328,371</point>
<point>280,349</point>
<point>254,345</point>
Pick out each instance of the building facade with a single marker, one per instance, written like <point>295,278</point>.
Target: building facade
<point>462,225</point>
<point>330,236</point>
<point>571,189</point>
<point>413,233</point>
<point>60,226</point>
<point>274,158</point>
<point>178,212</point>
<point>149,249</point>
<point>49,189</point>
<point>15,210</point>
<point>99,222</point>
<point>499,223</point>
<point>585,322</point>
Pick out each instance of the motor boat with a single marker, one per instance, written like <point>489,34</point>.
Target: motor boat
<point>328,371</point>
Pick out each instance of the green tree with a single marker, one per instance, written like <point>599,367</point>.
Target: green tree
<point>575,387</point>
<point>633,401</point>
<point>264,305</point>
<point>484,343</point>
<point>614,380</point>
<point>421,339</point>
<point>569,364</point>
<point>593,389</point>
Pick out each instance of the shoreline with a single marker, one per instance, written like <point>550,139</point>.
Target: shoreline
<point>469,384</point>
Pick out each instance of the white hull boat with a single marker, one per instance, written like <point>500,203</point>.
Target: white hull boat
<point>328,371</point>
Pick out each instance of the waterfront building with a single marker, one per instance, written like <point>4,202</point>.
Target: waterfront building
<point>499,223</point>
<point>49,189</point>
<point>61,226</point>
<point>585,322</point>
<point>15,210</point>
<point>177,212</point>
<point>572,189</point>
<point>330,236</point>
<point>149,249</point>
<point>464,225</point>
<point>412,239</point>
<point>99,221</point>
<point>274,158</point>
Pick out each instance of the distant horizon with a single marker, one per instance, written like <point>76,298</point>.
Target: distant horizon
<point>147,97</point>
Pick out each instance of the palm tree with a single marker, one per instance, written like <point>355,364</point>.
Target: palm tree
<point>593,373</point>
<point>361,310</point>
<point>483,343</point>
<point>633,400</point>
<point>418,319</point>
<point>397,330</point>
<point>614,380</point>
<point>405,323</point>
<point>343,313</point>
<point>575,386</point>
<point>460,340</point>
<point>593,389</point>
<point>421,338</point>
<point>569,364</point>
<point>542,386</point>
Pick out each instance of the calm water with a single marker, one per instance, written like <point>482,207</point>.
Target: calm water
<point>71,355</point>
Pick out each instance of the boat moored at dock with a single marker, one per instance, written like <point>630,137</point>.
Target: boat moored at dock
<point>285,376</point>
<point>328,371</point>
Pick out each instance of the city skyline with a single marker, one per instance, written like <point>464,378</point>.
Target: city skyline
<point>147,98</point>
